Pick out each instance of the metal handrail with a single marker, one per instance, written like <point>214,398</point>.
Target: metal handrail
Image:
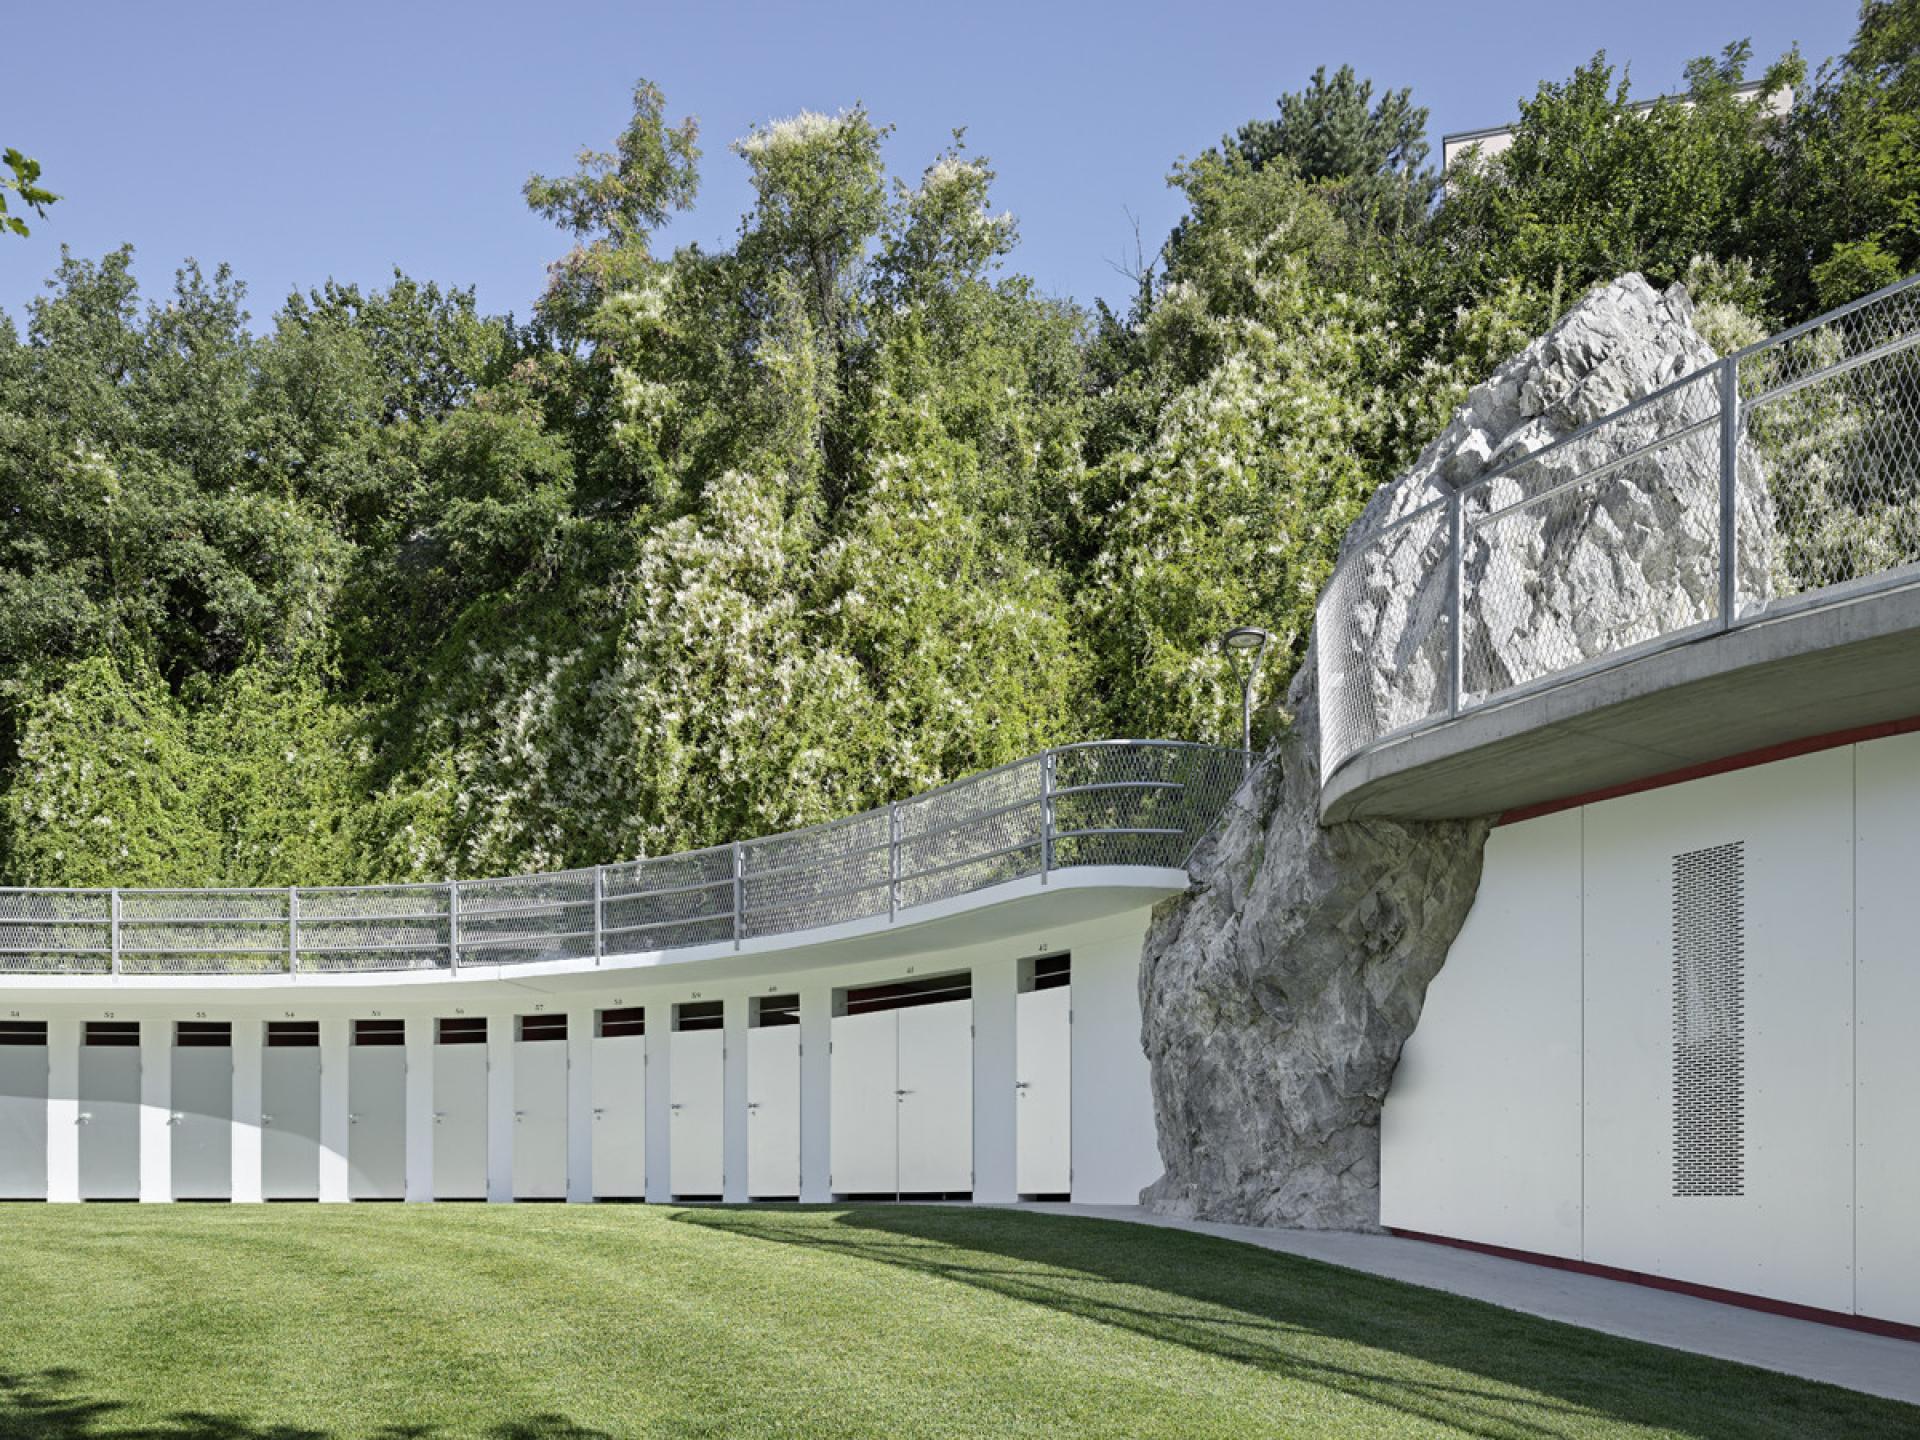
<point>1385,684</point>
<point>1164,795</point>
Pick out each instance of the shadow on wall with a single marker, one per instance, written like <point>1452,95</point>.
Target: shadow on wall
<point>55,1405</point>
<point>1435,1358</point>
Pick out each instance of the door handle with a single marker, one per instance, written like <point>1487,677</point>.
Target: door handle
<point>175,1118</point>
<point>753,1105</point>
<point>266,1119</point>
<point>85,1117</point>
<point>598,1112</point>
<point>1020,1084</point>
<point>352,1119</point>
<point>675,1106</point>
<point>519,1115</point>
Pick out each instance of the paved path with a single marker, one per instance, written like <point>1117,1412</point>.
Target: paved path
<point>1873,1363</point>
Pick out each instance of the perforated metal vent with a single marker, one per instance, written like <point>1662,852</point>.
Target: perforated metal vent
<point>1709,1021</point>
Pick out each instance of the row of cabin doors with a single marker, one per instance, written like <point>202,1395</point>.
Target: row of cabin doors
<point>902,1113</point>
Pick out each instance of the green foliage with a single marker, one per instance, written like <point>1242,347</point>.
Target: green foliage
<point>732,540</point>
<point>22,177</point>
<point>1367,158</point>
<point>1847,215</point>
<point>1590,188</point>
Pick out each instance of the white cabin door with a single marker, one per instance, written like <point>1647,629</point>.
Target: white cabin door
<point>460,1121</point>
<point>202,1122</point>
<point>698,1064</point>
<point>540,1119</point>
<point>23,1114</point>
<point>936,1098</point>
<point>620,1117</point>
<point>290,1122</point>
<point>109,1122</point>
<point>864,1143</point>
<point>1043,1075</point>
<point>773,1111</point>
<point>376,1122</point>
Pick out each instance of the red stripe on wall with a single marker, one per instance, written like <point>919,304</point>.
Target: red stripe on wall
<point>1744,761</point>
<point>1841,1318</point>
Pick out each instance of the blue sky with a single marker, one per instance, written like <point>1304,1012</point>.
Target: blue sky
<point>302,142</point>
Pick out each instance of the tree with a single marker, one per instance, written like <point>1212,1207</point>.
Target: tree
<point>1368,158</point>
<point>22,177</point>
<point>1591,187</point>
<point>1846,215</point>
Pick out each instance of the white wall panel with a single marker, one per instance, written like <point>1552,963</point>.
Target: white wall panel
<point>1115,1151</point>
<point>866,1120</point>
<point>773,1111</point>
<point>936,1101</point>
<point>23,1122</point>
<point>1480,1134</point>
<point>1887,1068</point>
<point>1044,1090</point>
<point>376,1122</point>
<point>202,1122</point>
<point>290,1122</point>
<point>540,1119</point>
<point>460,1122</point>
<point>697,1138</point>
<point>246,1168</point>
<point>63,1111</point>
<point>620,1117</point>
<point>1790,1235</point>
<point>997,1108</point>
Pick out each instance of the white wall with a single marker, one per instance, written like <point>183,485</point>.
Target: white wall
<point>1887,1030</point>
<point>1499,1041</point>
<point>1115,1153</point>
<point>1534,1106</point>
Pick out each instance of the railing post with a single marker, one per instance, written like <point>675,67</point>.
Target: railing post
<point>1456,602</point>
<point>1729,490</point>
<point>293,930</point>
<point>453,925</point>
<point>113,928</point>
<point>739,908</point>
<point>893,859</point>
<point>599,901</point>
<point>1046,816</point>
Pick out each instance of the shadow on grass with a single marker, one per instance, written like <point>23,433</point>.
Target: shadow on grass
<point>55,1405</point>
<point>1430,1356</point>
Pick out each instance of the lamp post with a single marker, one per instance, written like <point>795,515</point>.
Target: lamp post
<point>1249,641</point>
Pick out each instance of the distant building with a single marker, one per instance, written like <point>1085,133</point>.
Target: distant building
<point>1492,140</point>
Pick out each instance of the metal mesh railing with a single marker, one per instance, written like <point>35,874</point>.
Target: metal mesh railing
<point>1784,475</point>
<point>1129,802</point>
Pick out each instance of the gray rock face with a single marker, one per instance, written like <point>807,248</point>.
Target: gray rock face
<point>1277,994</point>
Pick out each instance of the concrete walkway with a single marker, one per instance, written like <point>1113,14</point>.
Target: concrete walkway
<point>1875,1364</point>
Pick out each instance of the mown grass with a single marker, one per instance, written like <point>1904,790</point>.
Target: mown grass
<point>537,1322</point>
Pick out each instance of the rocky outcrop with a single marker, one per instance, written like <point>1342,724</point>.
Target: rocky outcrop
<point>1277,995</point>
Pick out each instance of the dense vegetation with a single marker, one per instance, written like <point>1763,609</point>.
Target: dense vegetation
<point>719,542</point>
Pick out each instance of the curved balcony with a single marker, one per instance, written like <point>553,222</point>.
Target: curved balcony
<point>1729,563</point>
<point>1061,816</point>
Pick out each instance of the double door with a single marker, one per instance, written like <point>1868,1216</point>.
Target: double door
<point>903,1101</point>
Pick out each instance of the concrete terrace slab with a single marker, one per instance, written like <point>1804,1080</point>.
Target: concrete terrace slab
<point>1873,1364</point>
<point>1817,671</point>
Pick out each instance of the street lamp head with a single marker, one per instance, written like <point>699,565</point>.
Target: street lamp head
<point>1245,637</point>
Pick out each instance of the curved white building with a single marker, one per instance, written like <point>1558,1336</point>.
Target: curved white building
<point>937,998</point>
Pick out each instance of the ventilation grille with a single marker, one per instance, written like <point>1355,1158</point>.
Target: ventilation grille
<point>1709,1021</point>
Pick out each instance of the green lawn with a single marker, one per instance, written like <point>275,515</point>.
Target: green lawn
<point>550,1321</point>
